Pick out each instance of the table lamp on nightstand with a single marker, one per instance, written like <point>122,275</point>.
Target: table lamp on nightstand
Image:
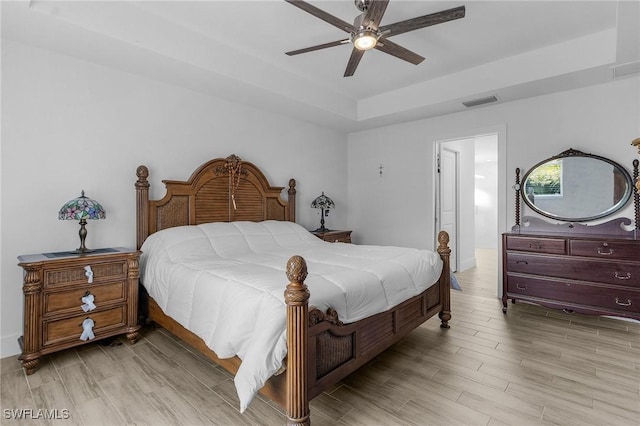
<point>323,203</point>
<point>82,208</point>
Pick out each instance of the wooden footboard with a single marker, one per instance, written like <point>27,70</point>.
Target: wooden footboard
<point>322,351</point>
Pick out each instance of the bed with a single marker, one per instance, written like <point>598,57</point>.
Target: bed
<point>239,225</point>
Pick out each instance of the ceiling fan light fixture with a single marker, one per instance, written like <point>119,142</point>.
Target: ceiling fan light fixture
<point>365,39</point>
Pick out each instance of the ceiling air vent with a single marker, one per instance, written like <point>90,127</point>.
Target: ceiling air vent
<point>480,101</point>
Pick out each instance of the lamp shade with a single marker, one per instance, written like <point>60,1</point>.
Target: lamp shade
<point>323,202</point>
<point>81,208</point>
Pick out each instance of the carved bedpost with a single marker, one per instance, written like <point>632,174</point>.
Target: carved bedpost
<point>142,205</point>
<point>292,200</point>
<point>296,297</point>
<point>517,189</point>
<point>30,343</point>
<point>445,279</point>
<point>636,193</point>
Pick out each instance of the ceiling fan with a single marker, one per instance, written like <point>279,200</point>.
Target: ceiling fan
<point>366,32</point>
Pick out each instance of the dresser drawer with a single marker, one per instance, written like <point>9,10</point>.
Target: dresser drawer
<point>536,244</point>
<point>603,249</point>
<point>76,274</point>
<point>71,328</point>
<point>619,273</point>
<point>70,301</point>
<point>608,297</point>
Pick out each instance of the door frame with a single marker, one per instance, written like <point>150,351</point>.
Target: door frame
<point>454,260</point>
<point>504,176</point>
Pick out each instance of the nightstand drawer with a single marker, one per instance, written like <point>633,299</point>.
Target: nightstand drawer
<point>76,275</point>
<point>334,236</point>
<point>71,328</point>
<point>70,301</point>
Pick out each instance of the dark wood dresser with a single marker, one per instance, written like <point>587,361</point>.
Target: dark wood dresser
<point>577,268</point>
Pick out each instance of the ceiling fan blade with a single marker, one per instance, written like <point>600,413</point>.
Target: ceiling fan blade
<point>423,21</point>
<point>375,12</point>
<point>354,60</point>
<point>318,47</point>
<point>318,13</point>
<point>387,46</point>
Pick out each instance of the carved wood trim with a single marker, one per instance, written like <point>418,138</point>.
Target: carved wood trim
<point>142,205</point>
<point>614,227</point>
<point>636,193</point>
<point>517,189</point>
<point>445,279</point>
<point>209,195</point>
<point>296,297</point>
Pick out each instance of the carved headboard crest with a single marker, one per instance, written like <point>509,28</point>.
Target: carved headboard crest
<point>221,190</point>
<point>233,167</point>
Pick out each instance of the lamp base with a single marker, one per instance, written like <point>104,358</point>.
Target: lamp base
<point>322,229</point>
<point>83,235</point>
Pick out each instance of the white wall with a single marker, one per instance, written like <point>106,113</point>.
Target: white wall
<point>486,196</point>
<point>399,209</point>
<point>69,125</point>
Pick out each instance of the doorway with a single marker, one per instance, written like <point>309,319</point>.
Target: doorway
<point>468,200</point>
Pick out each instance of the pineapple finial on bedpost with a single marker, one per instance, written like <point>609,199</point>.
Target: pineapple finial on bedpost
<point>292,200</point>
<point>142,205</point>
<point>445,279</point>
<point>296,297</point>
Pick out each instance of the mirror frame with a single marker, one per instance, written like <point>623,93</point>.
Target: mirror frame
<point>575,153</point>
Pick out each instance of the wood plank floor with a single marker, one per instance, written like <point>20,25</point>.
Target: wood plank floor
<point>532,366</point>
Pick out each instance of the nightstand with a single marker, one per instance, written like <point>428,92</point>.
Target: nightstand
<point>73,299</point>
<point>334,236</point>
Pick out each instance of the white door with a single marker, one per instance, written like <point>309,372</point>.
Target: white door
<point>448,167</point>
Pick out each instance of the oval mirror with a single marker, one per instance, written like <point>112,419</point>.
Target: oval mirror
<point>576,187</point>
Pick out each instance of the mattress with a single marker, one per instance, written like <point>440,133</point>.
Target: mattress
<point>225,282</point>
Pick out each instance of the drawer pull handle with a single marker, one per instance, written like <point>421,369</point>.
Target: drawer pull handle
<point>609,252</point>
<point>89,274</point>
<point>87,301</point>
<point>535,246</point>
<point>568,311</point>
<point>626,276</point>
<point>628,303</point>
<point>87,329</point>
<point>521,287</point>
<point>523,262</point>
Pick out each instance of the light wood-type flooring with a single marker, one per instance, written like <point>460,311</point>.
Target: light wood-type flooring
<point>531,366</point>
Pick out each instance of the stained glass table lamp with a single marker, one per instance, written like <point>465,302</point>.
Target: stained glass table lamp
<point>323,203</point>
<point>82,208</point>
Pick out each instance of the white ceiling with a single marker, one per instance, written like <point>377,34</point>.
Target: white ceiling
<point>235,50</point>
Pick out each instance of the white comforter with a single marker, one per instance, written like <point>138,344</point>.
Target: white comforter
<point>225,282</point>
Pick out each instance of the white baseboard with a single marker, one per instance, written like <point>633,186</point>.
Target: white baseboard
<point>9,346</point>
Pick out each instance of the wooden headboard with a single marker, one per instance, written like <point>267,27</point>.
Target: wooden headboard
<point>221,190</point>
